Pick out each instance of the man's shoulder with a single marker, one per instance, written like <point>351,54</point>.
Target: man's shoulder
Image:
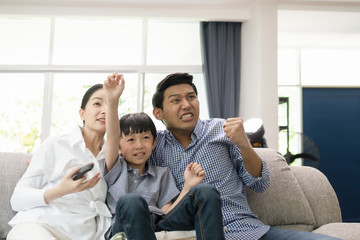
<point>214,121</point>
<point>211,125</point>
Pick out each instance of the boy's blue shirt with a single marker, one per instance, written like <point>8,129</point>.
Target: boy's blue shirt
<point>157,185</point>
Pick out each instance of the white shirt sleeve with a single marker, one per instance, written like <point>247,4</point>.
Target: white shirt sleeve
<point>30,189</point>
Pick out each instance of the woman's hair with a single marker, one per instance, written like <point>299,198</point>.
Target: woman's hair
<point>88,94</point>
<point>137,123</point>
<point>168,81</point>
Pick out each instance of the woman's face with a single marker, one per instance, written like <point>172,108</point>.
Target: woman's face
<point>93,115</point>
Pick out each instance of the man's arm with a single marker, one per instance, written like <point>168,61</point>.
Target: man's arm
<point>234,129</point>
<point>113,87</point>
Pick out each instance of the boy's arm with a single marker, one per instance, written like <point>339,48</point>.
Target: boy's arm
<point>113,87</point>
<point>193,175</point>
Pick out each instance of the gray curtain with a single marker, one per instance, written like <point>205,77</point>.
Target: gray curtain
<point>221,58</point>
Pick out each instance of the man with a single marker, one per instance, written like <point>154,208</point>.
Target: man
<point>224,152</point>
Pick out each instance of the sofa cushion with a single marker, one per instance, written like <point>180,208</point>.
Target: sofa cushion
<point>284,202</point>
<point>319,193</point>
<point>348,231</point>
<point>12,167</point>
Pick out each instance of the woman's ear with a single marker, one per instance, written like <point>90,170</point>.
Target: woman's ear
<point>81,114</point>
<point>157,112</point>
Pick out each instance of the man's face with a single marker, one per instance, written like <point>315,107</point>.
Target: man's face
<point>180,108</point>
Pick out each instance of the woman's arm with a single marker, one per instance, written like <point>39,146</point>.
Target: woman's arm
<point>68,185</point>
<point>33,190</point>
<point>113,86</point>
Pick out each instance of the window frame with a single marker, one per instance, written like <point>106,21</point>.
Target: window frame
<point>49,70</point>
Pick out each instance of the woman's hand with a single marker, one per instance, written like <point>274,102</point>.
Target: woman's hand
<point>68,185</point>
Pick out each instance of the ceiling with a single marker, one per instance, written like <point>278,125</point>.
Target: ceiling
<point>305,25</point>
<point>234,3</point>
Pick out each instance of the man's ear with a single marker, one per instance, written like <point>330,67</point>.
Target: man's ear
<point>157,112</point>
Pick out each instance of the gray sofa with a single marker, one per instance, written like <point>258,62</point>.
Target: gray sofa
<point>299,198</point>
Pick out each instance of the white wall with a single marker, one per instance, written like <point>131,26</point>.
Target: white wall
<point>258,90</point>
<point>113,9</point>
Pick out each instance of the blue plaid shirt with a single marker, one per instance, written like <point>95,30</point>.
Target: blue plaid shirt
<point>224,168</point>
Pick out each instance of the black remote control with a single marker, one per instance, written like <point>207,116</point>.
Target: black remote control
<point>79,174</point>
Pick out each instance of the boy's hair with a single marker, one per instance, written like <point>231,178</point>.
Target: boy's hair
<point>137,123</point>
<point>168,81</point>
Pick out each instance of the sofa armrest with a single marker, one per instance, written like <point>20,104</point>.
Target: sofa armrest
<point>283,204</point>
<point>12,167</point>
<point>319,193</point>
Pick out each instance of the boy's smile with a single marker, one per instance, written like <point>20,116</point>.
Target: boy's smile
<point>136,148</point>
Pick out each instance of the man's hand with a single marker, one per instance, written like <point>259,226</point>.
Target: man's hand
<point>234,129</point>
<point>193,175</point>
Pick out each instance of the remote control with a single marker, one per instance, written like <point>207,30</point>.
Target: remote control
<point>79,174</point>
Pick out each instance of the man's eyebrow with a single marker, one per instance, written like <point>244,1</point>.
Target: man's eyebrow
<point>177,94</point>
<point>173,95</point>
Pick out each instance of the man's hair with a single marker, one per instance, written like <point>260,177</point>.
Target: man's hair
<point>136,123</point>
<point>168,81</point>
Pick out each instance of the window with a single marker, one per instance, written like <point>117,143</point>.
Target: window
<point>44,76</point>
<point>97,42</point>
<point>20,113</point>
<point>298,67</point>
<point>24,41</point>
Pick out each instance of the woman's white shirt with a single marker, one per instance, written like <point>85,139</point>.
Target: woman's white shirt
<point>81,215</point>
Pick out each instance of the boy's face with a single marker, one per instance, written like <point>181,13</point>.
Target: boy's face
<point>136,148</point>
<point>180,108</point>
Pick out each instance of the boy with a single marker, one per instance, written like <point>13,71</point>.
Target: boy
<point>140,195</point>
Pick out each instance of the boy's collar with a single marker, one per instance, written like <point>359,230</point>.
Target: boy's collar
<point>148,169</point>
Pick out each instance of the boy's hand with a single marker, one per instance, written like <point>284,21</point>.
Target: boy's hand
<point>114,86</point>
<point>193,175</point>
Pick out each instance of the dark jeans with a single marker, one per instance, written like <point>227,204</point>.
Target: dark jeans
<point>284,234</point>
<point>200,209</point>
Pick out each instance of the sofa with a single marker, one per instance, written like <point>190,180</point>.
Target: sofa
<point>299,198</point>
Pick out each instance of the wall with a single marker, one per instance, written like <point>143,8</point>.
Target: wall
<point>258,90</point>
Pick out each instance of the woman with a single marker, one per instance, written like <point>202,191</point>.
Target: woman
<point>50,204</point>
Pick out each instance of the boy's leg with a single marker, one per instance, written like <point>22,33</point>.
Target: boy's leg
<point>133,218</point>
<point>199,209</point>
<point>285,234</point>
